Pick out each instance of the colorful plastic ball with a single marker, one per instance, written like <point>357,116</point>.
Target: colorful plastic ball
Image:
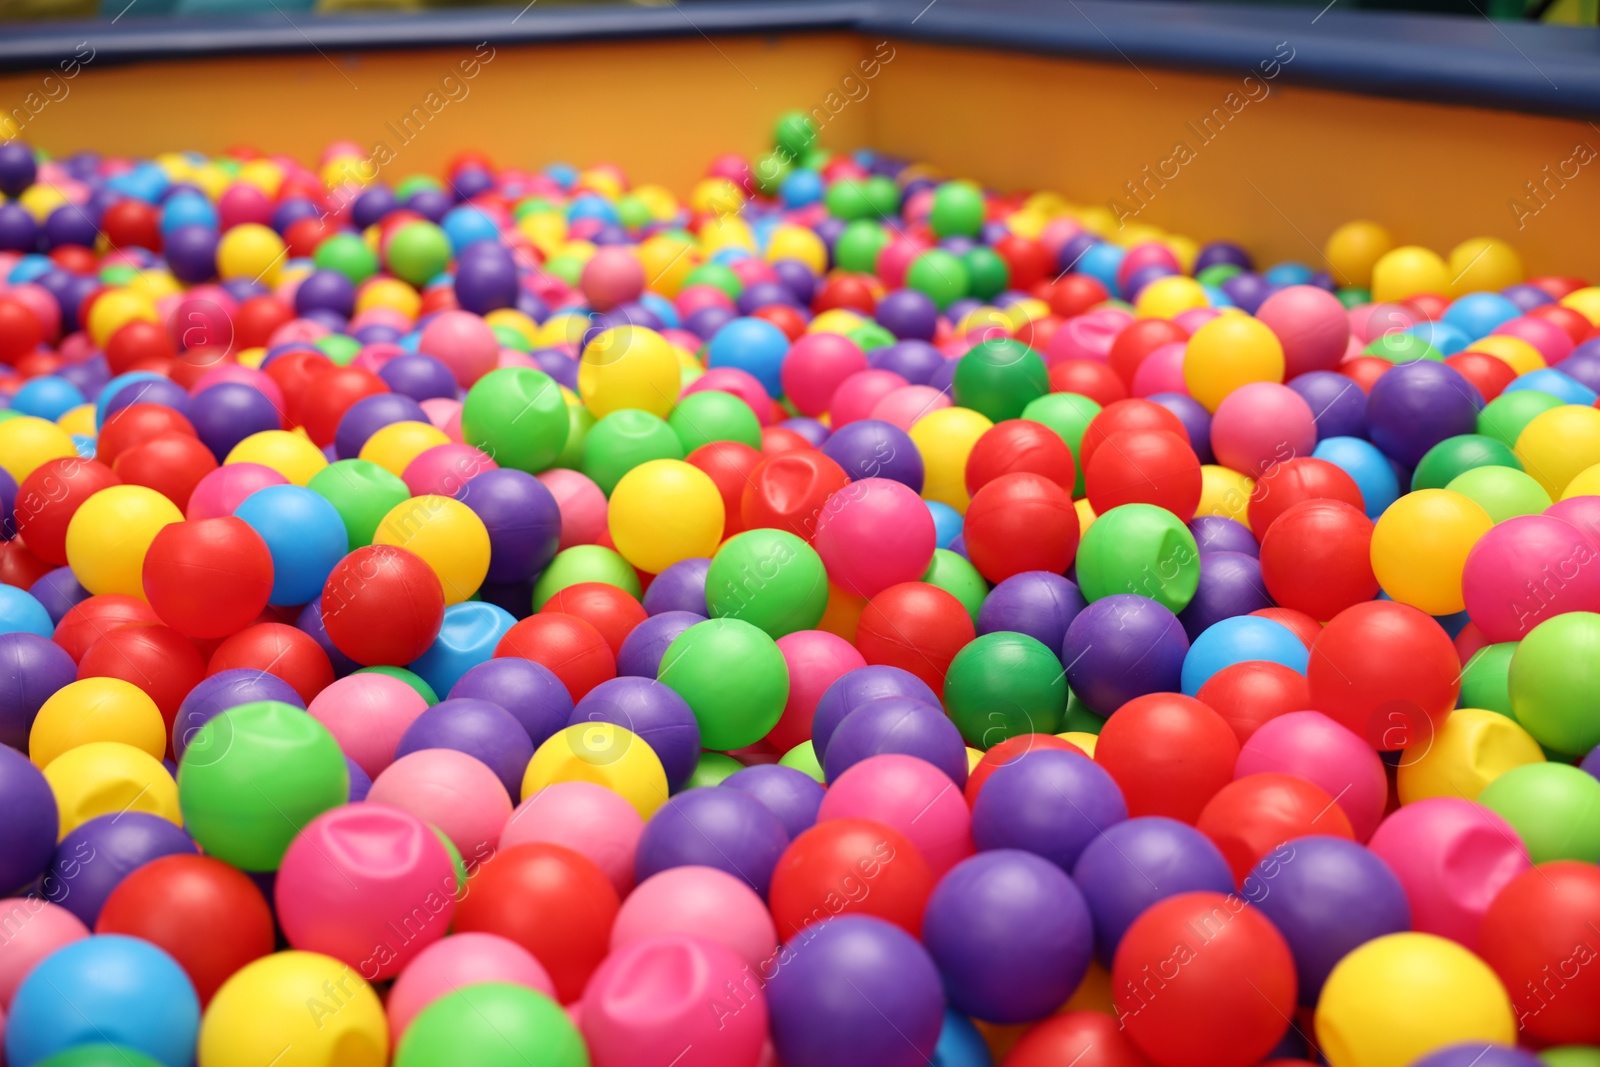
<point>453,792</point>
<point>653,712</point>
<point>855,689</point>
<point>1230,585</point>
<point>21,613</point>
<point>504,1024</point>
<point>1169,754</point>
<point>96,709</point>
<point>30,833</point>
<point>48,498</point>
<point>516,415</point>
<point>945,439</point>
<point>1311,325</point>
<point>1138,648</point>
<point>304,535</point>
<point>107,777</point>
<point>1316,558</point>
<point>908,795</point>
<point>711,415</point>
<point>104,989</point>
<point>628,367</point>
<point>1455,455</point>
<point>316,1006</point>
<point>1543,915</point>
<point>27,441</point>
<point>1549,674</point>
<point>110,534</point>
<point>1398,998</point>
<point>1252,815</point>
<point>382,605</point>
<point>1237,640</point>
<point>1020,808</point>
<point>1522,550</point>
<point>1020,446</point>
<point>213,577</point>
<point>227,487</point>
<point>665,511</point>
<point>700,902</point>
<point>874,448</point>
<point>1004,684</point>
<point>814,367</point>
<point>223,690</point>
<point>587,818</point>
<point>1503,492</point>
<point>793,796</point>
<point>1386,672</point>
<point>1201,978</point>
<point>1037,603</point>
<point>291,455</point>
<point>1227,353</point>
<point>1140,549</point>
<point>788,491</point>
<point>1415,406</point>
<point>1557,445</point>
<point>1144,467</point>
<point>1373,474</point>
<point>873,534</point>
<point>1552,807</point>
<point>816,659</point>
<point>478,728</point>
<point>700,665</point>
<point>253,777</point>
<point>604,754</point>
<point>1309,745</point>
<point>900,725</point>
<point>721,828</point>
<point>1091,1038</point>
<point>1020,522</point>
<point>849,866</point>
<point>446,966</point>
<point>998,378</point>
<point>39,928</point>
<point>754,346</point>
<point>641,651</point>
<point>1420,547</point>
<point>446,535</point>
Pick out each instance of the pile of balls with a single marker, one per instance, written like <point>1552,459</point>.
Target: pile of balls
<point>848,617</point>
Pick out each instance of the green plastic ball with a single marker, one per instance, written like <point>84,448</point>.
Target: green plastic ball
<point>253,777</point>
<point>340,349</point>
<point>362,493</point>
<point>492,1024</point>
<point>1555,673</point>
<point>1353,298</point>
<point>580,420</point>
<point>1571,1056</point>
<point>795,132</point>
<point>734,678</point>
<point>770,579</point>
<point>624,439</point>
<point>858,246</point>
<point>712,415</point>
<point>513,339</point>
<point>1069,415</point>
<point>939,276</point>
<point>1450,457</point>
<point>987,273</point>
<point>1402,348</point>
<point>418,252</point>
<point>99,1055</point>
<point>633,213</point>
<point>951,572</point>
<point>711,769</point>
<point>883,194</point>
<point>1501,491</point>
<point>1080,720</point>
<point>717,276</point>
<point>999,378</point>
<point>518,416</point>
<point>120,274</point>
<point>869,337</point>
<point>1218,273</point>
<point>957,210</point>
<point>1507,415</point>
<point>585,563</point>
<point>770,170</point>
<point>1553,807</point>
<point>348,254</point>
<point>1004,684</point>
<point>1486,679</point>
<point>803,757</point>
<point>411,678</point>
<point>1139,549</point>
<point>847,201</point>
<point>412,184</point>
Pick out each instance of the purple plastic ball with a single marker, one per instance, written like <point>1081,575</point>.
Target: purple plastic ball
<point>28,832</point>
<point>641,651</point>
<point>914,360</point>
<point>1219,253</point>
<point>1010,934</point>
<point>8,505</point>
<point>1337,402</point>
<point>59,592</point>
<point>792,795</point>
<point>1414,406</point>
<point>1248,291</point>
<point>1214,533</point>
<point>486,277</point>
<point>369,415</point>
<point>560,366</point>
<point>418,376</point>
<point>799,279</point>
<point>1121,647</point>
<point>1049,802</point>
<point>1230,584</point>
<point>292,211</point>
<point>651,711</point>
<point>431,204</point>
<point>765,294</point>
<point>18,231</point>
<point>96,856</point>
<point>372,205</point>
<point>1037,603</point>
<point>483,730</point>
<point>868,448</point>
<point>224,690</point>
<point>162,391</point>
<point>530,691</point>
<point>325,290</point>
<point>191,253</point>
<point>70,224</point>
<point>1591,762</point>
<point>812,430</point>
<point>708,320</point>
<point>854,689</point>
<point>908,314</point>
<point>360,781</point>
<point>1527,297</point>
<point>681,587</point>
<point>1582,366</point>
<point>89,375</point>
<point>523,520</point>
<point>1195,418</point>
<point>1478,1054</point>
<point>901,726</point>
<point>32,668</point>
<point>310,621</point>
<point>227,413</point>
<point>17,167</point>
<point>711,827</point>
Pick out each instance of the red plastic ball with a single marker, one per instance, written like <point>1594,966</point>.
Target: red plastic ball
<point>1469,641</point>
<point>382,605</point>
<point>1365,370</point>
<point>19,567</point>
<point>76,259</point>
<point>1557,286</point>
<point>1251,694</point>
<point>1298,623</point>
<point>132,223</point>
<point>1539,937</point>
<point>1204,980</point>
<point>787,492</point>
<point>552,901</point>
<point>1487,374</point>
<point>779,439</point>
<point>294,372</point>
<point>1137,340</point>
<point>257,319</point>
<point>20,330</point>
<point>303,236</point>
<point>1144,467</point>
<point>1169,753</point>
<point>209,917</point>
<point>136,342</point>
<point>1294,481</point>
<point>610,610</point>
<point>849,867</point>
<point>49,497</point>
<point>1020,446</point>
<point>134,425</point>
<point>853,292</point>
<point>1250,817</point>
<point>208,577</point>
<point>574,650</point>
<point>1386,672</point>
<point>1073,294</point>
<point>1028,261</point>
<point>89,620</point>
<point>729,464</point>
<point>171,463</point>
<point>1087,378</point>
<point>153,658</point>
<point>1079,1038</point>
<point>1021,522</point>
<point>329,395</point>
<point>917,627</point>
<point>1430,305</point>
<point>1010,749</point>
<point>278,649</point>
<point>1124,416</point>
<point>784,317</point>
<point>1317,558</point>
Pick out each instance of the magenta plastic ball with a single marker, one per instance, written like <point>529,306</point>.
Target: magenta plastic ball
<point>460,960</point>
<point>904,406</point>
<point>1260,424</point>
<point>583,505</point>
<point>814,367</point>
<point>1528,569</point>
<point>612,276</point>
<point>1312,326</point>
<point>873,534</point>
<point>219,492</point>
<point>587,818</point>
<point>816,659</point>
<point>698,902</point>
<point>368,714</point>
<point>909,795</point>
<point>1309,745</point>
<point>463,342</point>
<point>451,791</point>
<point>1160,372</point>
<point>858,395</point>
<point>444,469</point>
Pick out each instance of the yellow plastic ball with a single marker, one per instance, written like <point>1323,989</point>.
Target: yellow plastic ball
<point>447,535</point>
<point>110,534</point>
<point>513,320</point>
<point>1166,298</point>
<point>836,320</point>
<point>78,420</point>
<point>1585,483</point>
<point>96,709</point>
<point>726,231</point>
<point>263,174</point>
<point>605,754</point>
<point>1229,352</point>
<point>945,439</point>
<point>108,777</point>
<point>290,454</point>
<point>1483,264</point>
<point>1519,354</point>
<point>1397,998</point>
<point>1354,249</point>
<point>798,243</point>
<point>985,318</point>
<point>607,182</point>
<point>394,446</point>
<point>114,310</point>
<point>1558,445</point>
<point>27,441</point>
<point>391,293</point>
<point>566,328</point>
<point>1407,271</point>
<point>667,261</point>
<point>628,367</point>
<point>295,1009</point>
<point>1225,492</point>
<point>251,251</point>
<point>155,284</point>
<point>253,358</point>
<point>1585,302</point>
<point>1083,740</point>
<point>39,200</point>
<point>1472,748</point>
<point>1420,546</point>
<point>545,230</point>
<point>716,196</point>
<point>974,757</point>
<point>1086,515</point>
<point>665,511</point>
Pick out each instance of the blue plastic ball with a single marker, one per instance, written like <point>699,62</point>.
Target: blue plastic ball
<point>303,532</point>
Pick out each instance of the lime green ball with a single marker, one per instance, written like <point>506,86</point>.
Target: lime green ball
<point>362,493</point>
<point>624,439</point>
<point>455,859</point>
<point>999,378</point>
<point>957,210</point>
<point>411,678</point>
<point>568,268</point>
<point>1216,274</point>
<point>253,777</point>
<point>348,254</point>
<point>1502,492</point>
<point>1139,549</point>
<point>341,349</point>
<point>512,338</point>
<point>416,183</point>
<point>848,200</point>
<point>803,757</point>
<point>632,212</point>
<point>1507,415</point>
<point>717,276</point>
<point>883,194</point>
<point>1441,463</point>
<point>580,420</point>
<point>418,252</point>
<point>795,132</point>
<point>1486,679</point>
<point>770,170</point>
<point>585,563</point>
<point>939,276</point>
<point>1402,348</point>
<point>492,1024</point>
<point>712,415</point>
<point>987,273</point>
<point>1004,684</point>
<point>518,416</point>
<point>531,204</point>
<point>98,1055</point>
<point>1080,720</point>
<point>119,274</point>
<point>770,579</point>
<point>951,572</point>
<point>1352,298</point>
<point>1069,415</point>
<point>711,769</point>
<point>1555,673</point>
<point>1553,807</point>
<point>1571,1056</point>
<point>858,246</point>
<point>733,677</point>
<point>869,337</point>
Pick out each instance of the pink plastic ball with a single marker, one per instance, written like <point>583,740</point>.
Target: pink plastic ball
<point>225,488</point>
<point>814,367</point>
<point>463,342</point>
<point>1368,322</point>
<point>1528,569</point>
<point>1161,372</point>
<point>906,405</point>
<point>741,384</point>
<point>671,993</point>
<point>34,929</point>
<point>443,469</point>
<point>612,276</point>
<point>587,818</point>
<point>452,791</point>
<point>816,659</point>
<point>1195,318</point>
<point>1309,745</point>
<point>444,414</point>
<point>242,203</point>
<point>368,884</point>
<point>1553,343</point>
<point>37,299</point>
<point>583,505</point>
<point>1145,254</point>
<point>1058,231</point>
<point>694,298</point>
<point>367,714</point>
<point>1087,336</point>
<point>1261,424</point>
<point>858,394</point>
<point>875,533</point>
<point>202,320</point>
<point>1452,857</point>
<point>752,271</point>
<point>909,795</point>
<point>1581,511</point>
<point>461,960</point>
<point>896,258</point>
<point>1312,326</point>
<point>698,902</point>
